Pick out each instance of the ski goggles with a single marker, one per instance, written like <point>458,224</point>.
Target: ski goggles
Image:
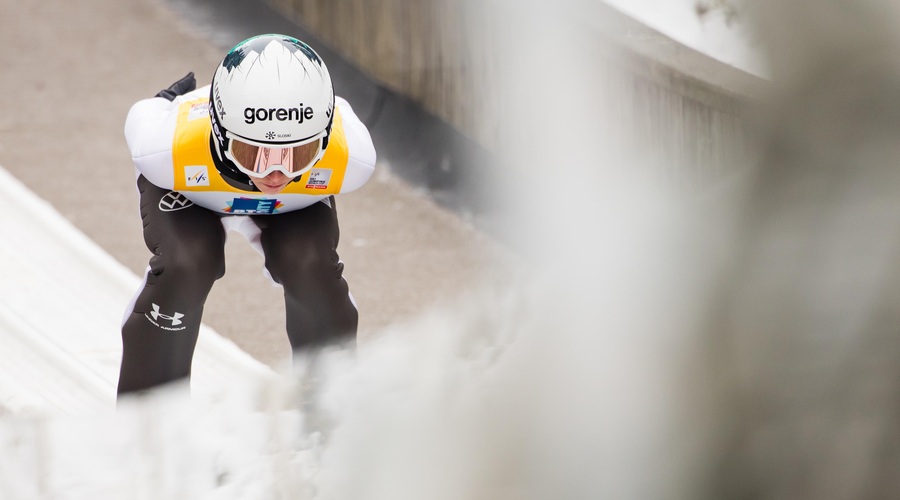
<point>258,161</point>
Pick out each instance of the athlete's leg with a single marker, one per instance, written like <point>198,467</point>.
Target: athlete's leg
<point>160,331</point>
<point>300,250</point>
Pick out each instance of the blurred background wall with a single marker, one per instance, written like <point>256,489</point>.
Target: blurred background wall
<point>686,107</point>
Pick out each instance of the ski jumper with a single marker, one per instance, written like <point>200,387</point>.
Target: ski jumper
<point>187,205</point>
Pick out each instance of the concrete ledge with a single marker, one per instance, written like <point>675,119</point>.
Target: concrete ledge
<point>62,299</point>
<point>656,47</point>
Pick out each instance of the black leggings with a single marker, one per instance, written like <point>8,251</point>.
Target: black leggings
<point>187,242</point>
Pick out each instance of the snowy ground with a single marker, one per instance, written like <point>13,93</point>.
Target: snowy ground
<point>63,302</point>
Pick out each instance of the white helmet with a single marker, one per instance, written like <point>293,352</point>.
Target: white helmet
<point>271,93</point>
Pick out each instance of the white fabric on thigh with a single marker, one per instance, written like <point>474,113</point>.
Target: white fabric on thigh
<point>245,226</point>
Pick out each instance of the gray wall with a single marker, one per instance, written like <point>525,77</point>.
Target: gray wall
<point>673,103</point>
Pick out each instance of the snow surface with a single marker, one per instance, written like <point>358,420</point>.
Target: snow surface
<point>62,300</point>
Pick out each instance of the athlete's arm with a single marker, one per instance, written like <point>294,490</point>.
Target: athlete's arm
<point>149,129</point>
<point>181,87</point>
<point>361,162</point>
<point>148,133</point>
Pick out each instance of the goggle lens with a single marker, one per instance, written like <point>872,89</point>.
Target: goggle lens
<point>258,161</point>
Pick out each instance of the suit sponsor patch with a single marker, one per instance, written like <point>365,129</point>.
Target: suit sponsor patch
<point>173,201</point>
<point>197,111</point>
<point>319,178</point>
<point>250,206</point>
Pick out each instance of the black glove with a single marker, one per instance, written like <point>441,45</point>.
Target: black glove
<point>183,86</point>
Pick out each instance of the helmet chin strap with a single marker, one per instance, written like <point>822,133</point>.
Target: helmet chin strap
<point>218,150</point>
<point>214,135</point>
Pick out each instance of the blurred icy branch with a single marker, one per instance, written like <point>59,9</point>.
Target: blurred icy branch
<point>726,8</point>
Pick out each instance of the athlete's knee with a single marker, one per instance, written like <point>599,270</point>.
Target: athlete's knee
<point>304,262</point>
<point>194,261</point>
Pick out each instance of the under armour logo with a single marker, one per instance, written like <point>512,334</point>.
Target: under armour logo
<point>175,318</point>
<point>155,315</point>
<point>173,201</point>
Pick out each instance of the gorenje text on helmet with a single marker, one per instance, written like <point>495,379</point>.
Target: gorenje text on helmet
<point>252,115</point>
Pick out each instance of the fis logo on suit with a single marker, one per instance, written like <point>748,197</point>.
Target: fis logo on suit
<point>173,201</point>
<point>196,175</point>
